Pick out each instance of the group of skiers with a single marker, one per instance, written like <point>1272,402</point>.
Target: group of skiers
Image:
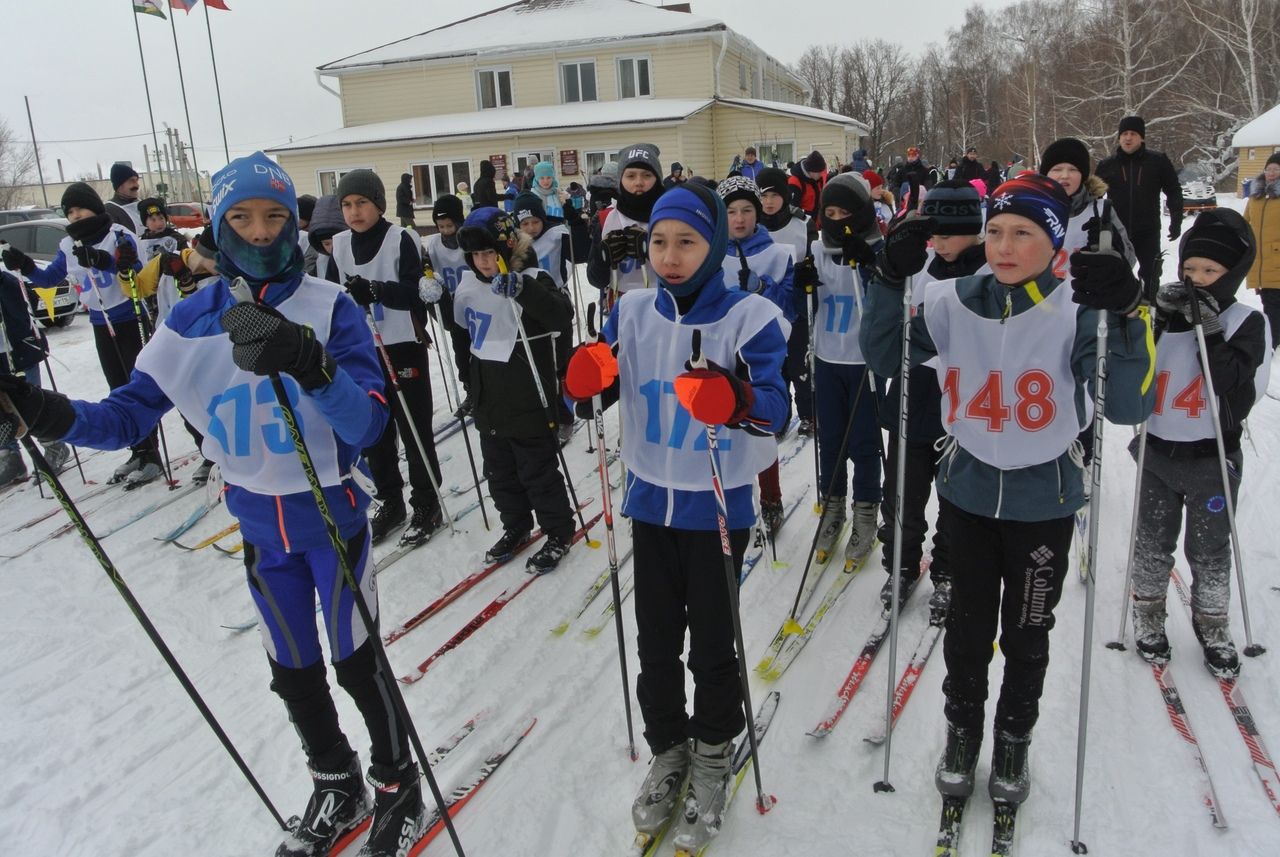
<point>725,305</point>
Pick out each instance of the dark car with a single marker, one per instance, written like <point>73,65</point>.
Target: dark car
<point>39,240</point>
<point>21,215</point>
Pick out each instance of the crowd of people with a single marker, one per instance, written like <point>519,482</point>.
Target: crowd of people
<point>727,304</point>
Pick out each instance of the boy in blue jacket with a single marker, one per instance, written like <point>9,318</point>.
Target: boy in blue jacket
<point>212,359</point>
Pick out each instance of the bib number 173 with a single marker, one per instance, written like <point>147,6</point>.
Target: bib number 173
<point>231,417</point>
<point>1033,406</point>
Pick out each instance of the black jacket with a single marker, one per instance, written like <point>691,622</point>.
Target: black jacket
<point>1135,183</point>
<point>404,197</point>
<point>23,343</point>
<point>969,170</point>
<point>483,192</point>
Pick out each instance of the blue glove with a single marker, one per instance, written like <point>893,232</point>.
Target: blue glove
<point>749,281</point>
<point>507,285</point>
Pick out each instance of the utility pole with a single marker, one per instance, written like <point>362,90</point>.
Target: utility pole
<point>39,169</point>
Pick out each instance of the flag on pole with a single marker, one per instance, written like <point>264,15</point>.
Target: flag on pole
<point>188,5</point>
<point>148,7</point>
<point>217,4</point>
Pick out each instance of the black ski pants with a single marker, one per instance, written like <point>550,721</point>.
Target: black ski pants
<point>1010,574</point>
<point>796,367</point>
<point>410,360</point>
<point>921,470</point>
<point>680,584</point>
<point>1146,246</point>
<point>524,479</point>
<point>1271,309</point>
<point>117,354</point>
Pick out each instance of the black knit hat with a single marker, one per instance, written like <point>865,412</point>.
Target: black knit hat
<point>529,205</point>
<point>1133,123</point>
<point>306,206</point>
<point>365,183</point>
<point>447,206</point>
<point>740,187</point>
<point>151,206</point>
<point>1215,241</point>
<point>814,163</point>
<point>121,173</point>
<point>774,179</point>
<point>81,195</point>
<point>956,208</point>
<point>1068,150</point>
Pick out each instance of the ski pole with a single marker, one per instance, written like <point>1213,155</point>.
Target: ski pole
<point>546,407</point>
<point>577,293</point>
<point>764,802</point>
<point>450,401</point>
<point>240,293</point>
<point>42,467</point>
<point>810,294</point>
<point>606,493</point>
<point>408,417</point>
<point>1090,581</point>
<point>466,436</point>
<point>1251,648</point>
<point>1126,598</point>
<point>139,313</point>
<point>904,381</point>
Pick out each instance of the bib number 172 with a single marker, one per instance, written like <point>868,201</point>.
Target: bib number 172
<point>1033,406</point>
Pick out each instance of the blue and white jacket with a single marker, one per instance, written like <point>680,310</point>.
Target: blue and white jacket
<point>772,262</point>
<point>98,289</point>
<point>188,364</point>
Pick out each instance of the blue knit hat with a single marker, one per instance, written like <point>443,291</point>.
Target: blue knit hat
<point>252,177</point>
<point>1037,198</point>
<point>544,170</point>
<point>700,208</point>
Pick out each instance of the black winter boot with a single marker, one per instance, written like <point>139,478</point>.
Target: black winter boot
<point>398,816</point>
<point>1010,775</point>
<point>954,774</point>
<point>389,516</point>
<point>338,805</point>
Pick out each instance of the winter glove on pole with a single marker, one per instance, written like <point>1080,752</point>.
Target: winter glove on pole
<point>173,265</point>
<point>714,395</point>
<point>806,273</point>
<point>592,369</point>
<point>639,242</point>
<point>15,260</point>
<point>265,343</point>
<point>617,244</point>
<point>507,285</point>
<point>853,248</point>
<point>429,288</point>
<point>126,256</point>
<point>48,415</point>
<point>905,248</point>
<point>91,257</point>
<point>362,291</point>
<point>1102,279</point>
<point>1175,298</point>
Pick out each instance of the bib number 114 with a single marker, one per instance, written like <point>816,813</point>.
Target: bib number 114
<point>1033,406</point>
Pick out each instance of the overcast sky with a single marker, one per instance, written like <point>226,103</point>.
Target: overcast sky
<point>78,63</point>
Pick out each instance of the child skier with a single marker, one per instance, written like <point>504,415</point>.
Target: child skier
<point>620,246</point>
<point>159,236</point>
<point>950,221</point>
<point>519,449</point>
<point>1016,364</point>
<point>446,263</point>
<point>881,198</point>
<point>210,359</point>
<point>95,253</point>
<point>1180,467</point>
<point>846,395</point>
<point>380,265</point>
<point>789,226</point>
<point>754,263</point>
<point>678,557</point>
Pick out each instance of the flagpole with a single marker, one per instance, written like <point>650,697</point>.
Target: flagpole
<point>146,87</point>
<point>216,88</point>
<point>185,109</point>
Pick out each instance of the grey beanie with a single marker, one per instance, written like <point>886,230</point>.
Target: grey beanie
<point>640,155</point>
<point>366,183</point>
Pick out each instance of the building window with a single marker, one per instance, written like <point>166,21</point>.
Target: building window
<point>531,158</point>
<point>633,77</point>
<point>577,81</point>
<point>742,75</point>
<point>327,180</point>
<point>493,87</point>
<point>775,153</point>
<point>435,180</point>
<point>593,161</point>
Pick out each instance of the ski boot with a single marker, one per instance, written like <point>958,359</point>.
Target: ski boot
<point>122,472</point>
<point>906,583</point>
<point>12,468</point>
<point>149,471</point>
<point>201,474</point>
<point>339,805</point>
<point>771,513</point>
<point>468,405</point>
<point>548,557</point>
<point>1215,638</point>
<point>954,774</point>
<point>506,545</point>
<point>389,516</point>
<point>829,529</point>
<point>564,433</point>
<point>422,525</point>
<point>659,793</point>
<point>1010,779</point>
<point>940,601</point>
<point>709,775</point>
<point>57,454</point>
<point>862,535</point>
<point>805,429</point>
<point>399,820</point>
<point>1148,630</point>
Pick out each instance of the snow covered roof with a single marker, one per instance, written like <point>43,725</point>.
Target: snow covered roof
<point>798,110</point>
<point>1263,131</point>
<point>594,115</point>
<point>530,23</point>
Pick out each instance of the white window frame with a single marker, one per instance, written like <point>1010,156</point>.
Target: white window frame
<point>543,155</point>
<point>595,80</point>
<point>763,145</point>
<point>435,191</point>
<point>635,60</point>
<point>338,173</point>
<point>606,157</point>
<point>496,70</point>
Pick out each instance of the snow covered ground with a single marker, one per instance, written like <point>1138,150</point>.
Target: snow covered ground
<point>106,756</point>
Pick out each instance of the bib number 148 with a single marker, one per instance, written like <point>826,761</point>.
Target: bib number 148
<point>1033,406</point>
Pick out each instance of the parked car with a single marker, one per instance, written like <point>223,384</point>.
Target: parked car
<point>186,215</point>
<point>39,240</point>
<point>1198,192</point>
<point>20,215</point>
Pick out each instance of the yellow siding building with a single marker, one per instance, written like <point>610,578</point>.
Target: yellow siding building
<point>1254,143</point>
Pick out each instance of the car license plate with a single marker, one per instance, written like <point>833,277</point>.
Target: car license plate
<point>64,300</point>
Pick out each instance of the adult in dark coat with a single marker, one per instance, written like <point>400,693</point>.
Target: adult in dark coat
<point>1135,176</point>
<point>484,194</point>
<point>970,167</point>
<point>404,201</point>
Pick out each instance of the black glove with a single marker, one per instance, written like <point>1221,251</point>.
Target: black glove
<point>806,273</point>
<point>1103,280</point>
<point>15,260</point>
<point>906,247</point>
<point>639,242</point>
<point>852,247</point>
<point>126,256</point>
<point>173,265</point>
<point>91,257</point>
<point>1175,229</point>
<point>267,343</point>
<point>362,291</point>
<point>617,244</point>
<point>1175,298</point>
<point>48,415</point>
